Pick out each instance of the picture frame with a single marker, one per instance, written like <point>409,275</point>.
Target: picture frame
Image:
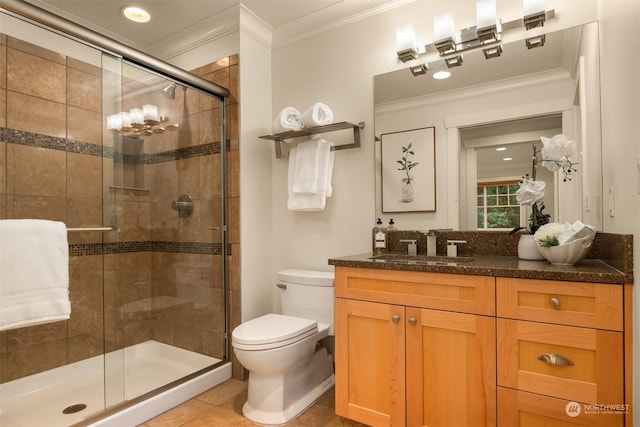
<point>408,170</point>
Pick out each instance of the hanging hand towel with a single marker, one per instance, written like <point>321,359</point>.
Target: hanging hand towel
<point>289,119</point>
<point>318,114</point>
<point>306,166</point>
<point>317,200</point>
<point>34,273</point>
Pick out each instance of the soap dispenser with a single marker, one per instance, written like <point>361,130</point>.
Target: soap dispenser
<point>379,238</point>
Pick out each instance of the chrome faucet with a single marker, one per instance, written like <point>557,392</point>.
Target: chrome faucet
<point>412,246</point>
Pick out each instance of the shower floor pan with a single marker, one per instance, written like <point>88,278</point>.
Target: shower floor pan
<point>40,399</point>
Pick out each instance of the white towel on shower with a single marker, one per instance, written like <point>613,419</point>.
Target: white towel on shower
<point>34,272</point>
<point>289,119</point>
<point>320,156</point>
<point>318,114</point>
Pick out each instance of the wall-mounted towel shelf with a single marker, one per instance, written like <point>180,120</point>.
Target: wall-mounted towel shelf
<point>280,137</point>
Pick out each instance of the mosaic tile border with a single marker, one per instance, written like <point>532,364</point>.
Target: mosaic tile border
<point>13,136</point>
<point>85,249</point>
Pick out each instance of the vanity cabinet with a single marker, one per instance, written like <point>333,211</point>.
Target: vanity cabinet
<point>414,348</point>
<point>560,353</point>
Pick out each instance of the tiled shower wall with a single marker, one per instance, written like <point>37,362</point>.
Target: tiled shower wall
<point>159,269</point>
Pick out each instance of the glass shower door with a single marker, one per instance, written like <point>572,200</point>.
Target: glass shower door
<point>164,263</point>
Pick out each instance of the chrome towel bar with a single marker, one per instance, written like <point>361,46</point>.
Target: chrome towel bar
<point>91,229</point>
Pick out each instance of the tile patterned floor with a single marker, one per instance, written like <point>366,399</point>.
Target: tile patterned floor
<point>221,406</point>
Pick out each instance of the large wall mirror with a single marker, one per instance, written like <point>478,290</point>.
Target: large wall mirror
<point>507,102</point>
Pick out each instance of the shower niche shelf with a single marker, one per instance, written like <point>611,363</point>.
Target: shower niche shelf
<point>279,138</point>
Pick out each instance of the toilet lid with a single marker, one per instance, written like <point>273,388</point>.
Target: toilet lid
<point>272,330</point>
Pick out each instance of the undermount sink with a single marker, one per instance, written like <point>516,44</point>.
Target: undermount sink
<point>421,259</point>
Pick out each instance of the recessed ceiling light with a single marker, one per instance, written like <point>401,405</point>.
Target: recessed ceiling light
<point>501,148</point>
<point>136,14</point>
<point>440,75</point>
<point>506,159</point>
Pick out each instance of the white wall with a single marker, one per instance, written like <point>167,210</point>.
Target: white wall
<point>620,71</point>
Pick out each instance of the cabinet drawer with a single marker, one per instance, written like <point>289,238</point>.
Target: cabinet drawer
<point>595,374</point>
<point>518,408</point>
<point>570,303</point>
<point>452,292</point>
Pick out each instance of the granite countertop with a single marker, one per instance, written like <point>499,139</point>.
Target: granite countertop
<point>586,270</point>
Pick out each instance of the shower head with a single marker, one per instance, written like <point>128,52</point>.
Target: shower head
<point>169,92</point>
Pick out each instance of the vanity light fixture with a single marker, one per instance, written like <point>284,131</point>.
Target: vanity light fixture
<point>534,13</point>
<point>501,149</point>
<point>537,41</point>
<point>136,14</point>
<point>444,33</point>
<point>486,35</point>
<point>492,52</point>
<point>506,159</point>
<point>406,44</point>
<point>453,61</point>
<point>139,122</point>
<point>488,26</point>
<point>419,70</point>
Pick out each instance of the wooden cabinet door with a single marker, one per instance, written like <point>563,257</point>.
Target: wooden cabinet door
<point>521,409</point>
<point>370,357</point>
<point>451,369</point>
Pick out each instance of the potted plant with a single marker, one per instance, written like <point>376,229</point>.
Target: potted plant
<point>556,154</point>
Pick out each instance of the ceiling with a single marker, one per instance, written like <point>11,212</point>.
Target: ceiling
<point>172,17</point>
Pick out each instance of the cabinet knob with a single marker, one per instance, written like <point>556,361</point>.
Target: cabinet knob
<point>555,359</point>
<point>554,302</point>
<point>395,318</point>
<point>412,321</point>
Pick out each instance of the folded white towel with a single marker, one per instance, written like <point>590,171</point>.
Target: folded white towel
<point>306,166</point>
<point>318,114</point>
<point>34,272</point>
<point>317,200</point>
<point>289,119</point>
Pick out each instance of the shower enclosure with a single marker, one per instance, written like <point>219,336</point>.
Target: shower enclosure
<point>132,159</point>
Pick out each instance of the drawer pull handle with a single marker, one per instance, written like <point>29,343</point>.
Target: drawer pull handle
<point>555,359</point>
<point>395,318</point>
<point>554,302</point>
<point>412,321</point>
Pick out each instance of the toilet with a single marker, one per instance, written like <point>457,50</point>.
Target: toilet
<point>288,367</point>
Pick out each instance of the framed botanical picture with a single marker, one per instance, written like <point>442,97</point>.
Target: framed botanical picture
<point>409,170</point>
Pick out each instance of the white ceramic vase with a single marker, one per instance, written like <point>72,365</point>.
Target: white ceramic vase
<point>527,248</point>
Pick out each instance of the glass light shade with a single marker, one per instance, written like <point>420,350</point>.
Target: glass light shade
<point>137,117</point>
<point>486,13</point>
<point>150,113</point>
<point>126,120</point>
<point>531,7</point>
<point>114,122</point>
<point>405,38</point>
<point>444,26</point>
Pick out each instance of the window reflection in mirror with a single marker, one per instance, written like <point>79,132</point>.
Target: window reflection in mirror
<point>503,154</point>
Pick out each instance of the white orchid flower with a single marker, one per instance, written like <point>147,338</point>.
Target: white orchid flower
<point>530,191</point>
<point>558,152</point>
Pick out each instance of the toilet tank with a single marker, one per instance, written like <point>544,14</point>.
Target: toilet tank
<point>307,294</point>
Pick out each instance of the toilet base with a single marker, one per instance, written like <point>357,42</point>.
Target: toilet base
<point>276,400</point>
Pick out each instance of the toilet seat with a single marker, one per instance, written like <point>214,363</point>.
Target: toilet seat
<point>272,331</point>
